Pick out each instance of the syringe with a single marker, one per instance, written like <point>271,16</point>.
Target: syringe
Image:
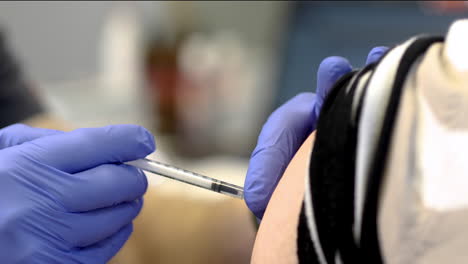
<point>188,177</point>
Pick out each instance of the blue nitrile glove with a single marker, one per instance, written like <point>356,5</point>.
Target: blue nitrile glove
<point>286,130</point>
<point>18,133</point>
<point>65,197</point>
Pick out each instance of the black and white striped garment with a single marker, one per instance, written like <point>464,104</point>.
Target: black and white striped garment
<point>338,220</point>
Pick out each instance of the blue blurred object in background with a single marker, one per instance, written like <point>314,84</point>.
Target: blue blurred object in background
<point>320,29</point>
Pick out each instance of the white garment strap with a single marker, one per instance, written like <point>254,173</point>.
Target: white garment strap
<point>370,125</point>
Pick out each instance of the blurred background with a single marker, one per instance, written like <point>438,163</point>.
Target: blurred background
<point>203,76</point>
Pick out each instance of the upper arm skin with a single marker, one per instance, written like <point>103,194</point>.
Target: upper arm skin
<point>276,237</point>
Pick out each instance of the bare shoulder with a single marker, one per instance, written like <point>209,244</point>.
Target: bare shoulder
<point>276,237</point>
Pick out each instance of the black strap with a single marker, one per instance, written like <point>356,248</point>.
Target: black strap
<point>331,170</point>
<point>305,246</point>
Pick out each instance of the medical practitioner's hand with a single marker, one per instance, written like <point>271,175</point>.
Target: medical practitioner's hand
<point>285,131</point>
<point>65,197</point>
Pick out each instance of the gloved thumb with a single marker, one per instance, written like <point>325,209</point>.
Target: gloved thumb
<point>19,133</point>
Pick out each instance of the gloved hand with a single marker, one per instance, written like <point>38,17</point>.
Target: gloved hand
<point>66,197</point>
<point>285,131</point>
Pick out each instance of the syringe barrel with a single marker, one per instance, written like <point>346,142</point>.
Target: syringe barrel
<point>188,177</point>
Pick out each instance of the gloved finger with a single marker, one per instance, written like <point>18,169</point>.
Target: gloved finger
<point>104,250</point>
<point>91,227</point>
<point>100,187</point>
<point>330,70</point>
<point>281,136</point>
<point>19,133</point>
<point>375,54</point>
<point>86,148</point>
